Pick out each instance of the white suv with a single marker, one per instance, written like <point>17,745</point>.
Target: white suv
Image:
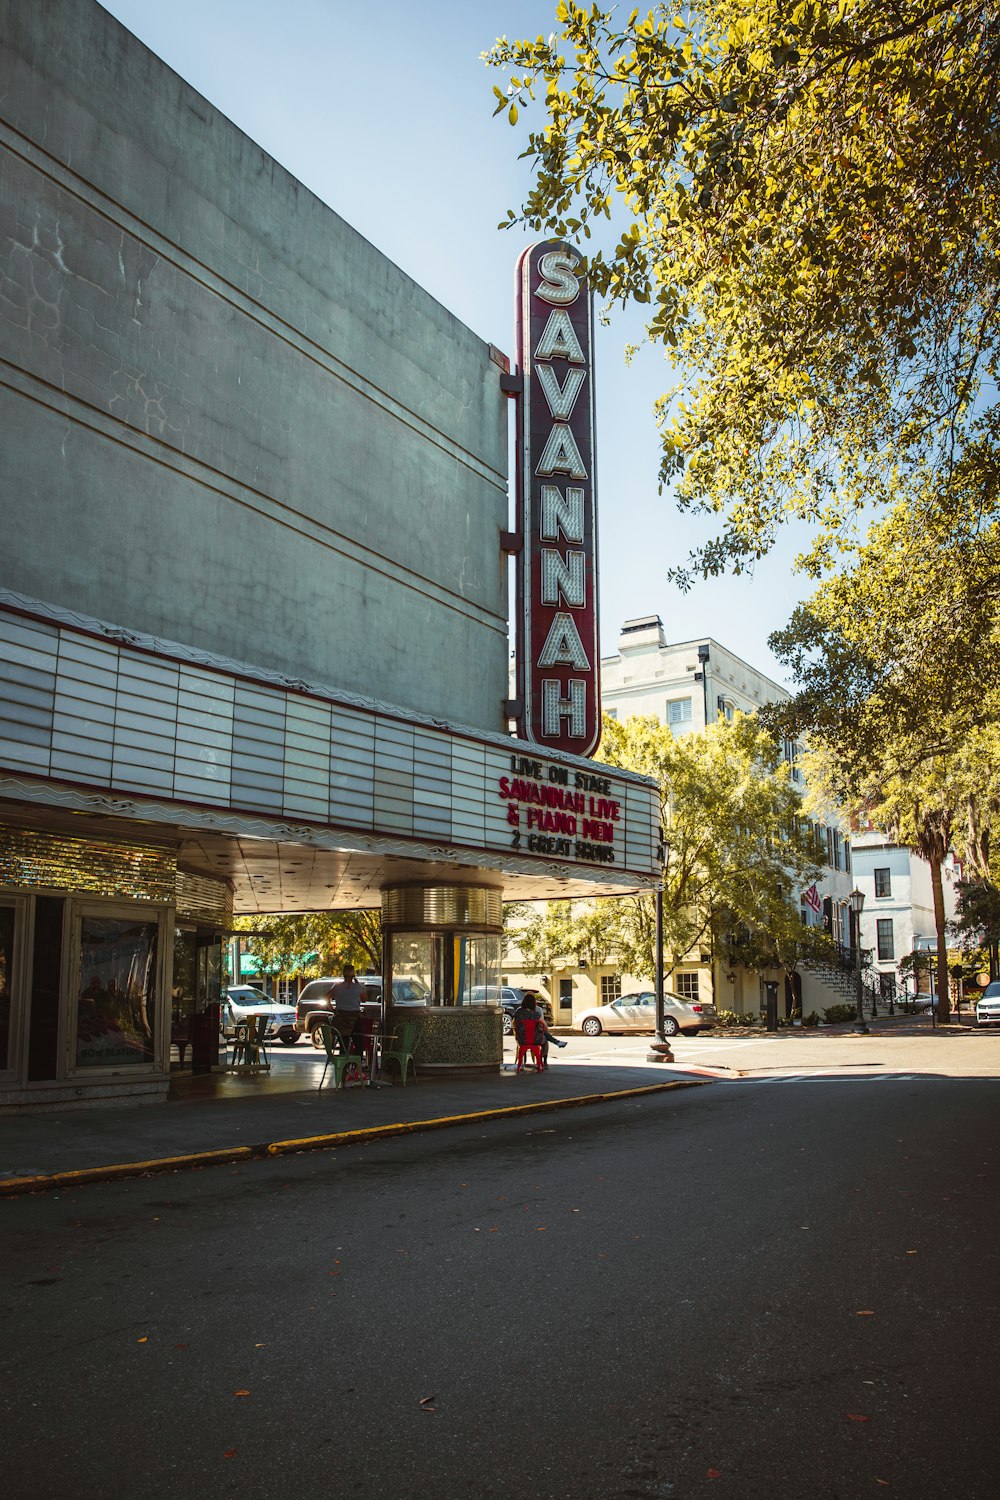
<point>988,1006</point>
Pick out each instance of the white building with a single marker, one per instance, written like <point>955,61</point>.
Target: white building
<point>686,684</point>
<point>898,914</point>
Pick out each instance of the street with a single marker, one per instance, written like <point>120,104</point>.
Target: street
<point>773,1290</point>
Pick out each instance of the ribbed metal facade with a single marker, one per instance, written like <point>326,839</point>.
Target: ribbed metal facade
<point>35,860</point>
<point>202,899</point>
<point>446,907</point>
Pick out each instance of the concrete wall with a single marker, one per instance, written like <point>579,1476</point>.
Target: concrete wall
<point>228,420</point>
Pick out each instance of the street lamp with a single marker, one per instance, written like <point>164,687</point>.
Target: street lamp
<point>658,942</point>
<point>857,900</point>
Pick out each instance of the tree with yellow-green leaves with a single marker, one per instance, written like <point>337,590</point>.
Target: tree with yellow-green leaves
<point>282,941</point>
<point>805,196</point>
<point>736,856</point>
<point>897,662</point>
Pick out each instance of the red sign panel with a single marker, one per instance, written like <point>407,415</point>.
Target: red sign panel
<point>557,583</point>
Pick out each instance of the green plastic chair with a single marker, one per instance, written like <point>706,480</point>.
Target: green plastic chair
<point>249,1051</point>
<point>401,1052</point>
<point>337,1056</point>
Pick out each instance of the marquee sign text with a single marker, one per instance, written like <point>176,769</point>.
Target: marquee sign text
<point>557,582</point>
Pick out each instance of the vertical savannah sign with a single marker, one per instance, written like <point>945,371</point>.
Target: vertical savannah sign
<point>557,580</point>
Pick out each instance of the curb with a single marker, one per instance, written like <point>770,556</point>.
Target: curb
<point>12,1187</point>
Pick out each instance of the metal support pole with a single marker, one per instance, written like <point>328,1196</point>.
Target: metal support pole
<point>658,981</point>
<point>859,1021</point>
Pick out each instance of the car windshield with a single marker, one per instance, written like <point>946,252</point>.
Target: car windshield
<point>410,989</point>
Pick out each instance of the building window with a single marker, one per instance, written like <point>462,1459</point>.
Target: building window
<point>612,713</point>
<point>790,750</point>
<point>886,946</point>
<point>565,994</point>
<point>883,883</point>
<point>686,985</point>
<point>679,711</point>
<point>611,988</point>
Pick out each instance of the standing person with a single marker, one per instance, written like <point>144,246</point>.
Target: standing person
<point>346,997</point>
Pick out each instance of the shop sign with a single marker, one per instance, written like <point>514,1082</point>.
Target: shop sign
<point>560,812</point>
<point>557,581</point>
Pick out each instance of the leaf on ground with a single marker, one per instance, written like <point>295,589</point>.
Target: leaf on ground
<point>854,1416</point>
<point>713,1473</point>
<point>864,1312</point>
<point>229,1453</point>
<point>143,1340</point>
<point>241,1393</point>
<point>541,1228</point>
<point>182,1346</point>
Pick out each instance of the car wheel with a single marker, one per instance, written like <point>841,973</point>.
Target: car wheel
<point>288,1041</point>
<point>670,1026</point>
<point>316,1035</point>
<point>508,1024</point>
<point>591,1026</point>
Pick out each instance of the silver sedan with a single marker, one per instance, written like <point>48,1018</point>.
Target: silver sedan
<point>638,1013</point>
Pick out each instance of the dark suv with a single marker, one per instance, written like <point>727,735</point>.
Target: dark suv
<point>509,997</point>
<point>314,1003</point>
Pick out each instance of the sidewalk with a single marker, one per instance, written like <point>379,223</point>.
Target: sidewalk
<point>218,1120</point>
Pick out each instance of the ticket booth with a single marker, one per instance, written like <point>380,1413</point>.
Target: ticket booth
<point>442,957</point>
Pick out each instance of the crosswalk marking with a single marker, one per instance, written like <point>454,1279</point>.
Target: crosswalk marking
<point>827,1073</point>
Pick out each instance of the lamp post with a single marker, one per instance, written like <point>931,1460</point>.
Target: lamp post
<point>658,941</point>
<point>857,900</point>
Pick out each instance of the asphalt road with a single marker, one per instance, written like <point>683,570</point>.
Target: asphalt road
<point>767,1289</point>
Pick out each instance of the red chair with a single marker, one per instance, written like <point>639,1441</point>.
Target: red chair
<point>529,1039</point>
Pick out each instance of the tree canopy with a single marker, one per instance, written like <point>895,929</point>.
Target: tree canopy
<point>283,942</point>
<point>807,199</point>
<point>896,661</point>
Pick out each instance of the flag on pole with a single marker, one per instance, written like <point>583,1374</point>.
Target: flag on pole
<point>812,898</point>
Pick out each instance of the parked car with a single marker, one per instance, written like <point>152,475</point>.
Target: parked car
<point>407,990</point>
<point>509,997</point>
<point>638,1013</point>
<point>314,1003</point>
<point>988,1006</point>
<point>243,1000</point>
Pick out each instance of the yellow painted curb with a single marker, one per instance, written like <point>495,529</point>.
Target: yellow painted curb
<point>13,1186</point>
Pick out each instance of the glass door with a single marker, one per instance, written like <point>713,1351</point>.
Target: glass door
<point>11,984</point>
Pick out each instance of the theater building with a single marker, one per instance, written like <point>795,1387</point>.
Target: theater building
<point>206,378</point>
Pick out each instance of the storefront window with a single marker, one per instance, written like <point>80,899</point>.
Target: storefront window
<point>117,993</point>
<point>6,981</point>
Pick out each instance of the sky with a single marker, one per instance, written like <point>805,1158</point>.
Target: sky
<point>384,112</point>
